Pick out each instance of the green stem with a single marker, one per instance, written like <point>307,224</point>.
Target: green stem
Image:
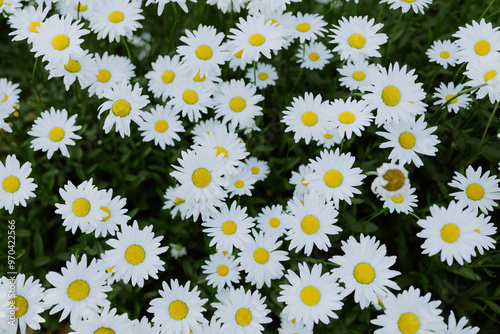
<point>485,131</point>
<point>78,11</point>
<point>458,71</point>
<point>255,72</point>
<point>125,44</point>
<point>296,81</point>
<point>414,215</point>
<point>392,37</point>
<point>486,10</point>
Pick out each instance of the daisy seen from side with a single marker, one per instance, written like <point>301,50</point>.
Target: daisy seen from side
<point>487,74</point>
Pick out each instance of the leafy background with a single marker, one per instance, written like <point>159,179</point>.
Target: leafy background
<point>140,171</point>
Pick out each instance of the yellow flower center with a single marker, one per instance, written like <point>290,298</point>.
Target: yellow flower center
<point>333,178</point>
<point>116,16</point>
<point>135,254</point>
<point>73,66</point>
<point>56,134</point>
<point>263,76</point>
<point>303,27</point>
<point>81,207</point>
<point>408,322</point>
<point>22,304</point>
<point>310,295</point>
<point>314,56</point>
<point>364,273</point>
<point>409,1</point>
<point>179,201</point>
<point>104,330</point>
<point>239,184</point>
<point>161,126</point>
<point>108,212</point>
<point>309,118</point>
<point>33,27</point>
<point>274,222</point>
<point>78,290</point>
<point>256,39</point>
<point>310,224</point>
<point>229,227</point>
<point>11,184</point>
<point>198,78</point>
<point>273,21</point>
<point>444,54</point>
<point>60,42</point>
<point>359,76</point>
<point>391,96</point>
<point>222,270</point>
<point>243,317</point>
<point>254,170</point>
<point>261,256</point>
<point>221,150</point>
<point>407,140</point>
<point>178,310</point>
<point>474,191</point>
<point>121,108</point>
<point>482,47</point>
<point>103,76</point>
<point>357,41</point>
<point>397,200</point>
<point>167,77</point>
<point>490,75</point>
<point>450,233</point>
<point>395,178</point>
<point>190,96</point>
<point>238,54</point>
<point>82,8</point>
<point>204,52</point>
<point>449,96</point>
<point>237,104</point>
<point>346,117</point>
<point>304,182</point>
<point>5,97</point>
<point>201,177</point>
<point>328,136</point>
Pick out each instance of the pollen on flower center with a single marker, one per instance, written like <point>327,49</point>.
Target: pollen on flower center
<point>178,309</point>
<point>409,1</point>
<point>121,108</point>
<point>474,191</point>
<point>444,54</point>
<point>397,200</point>
<point>167,77</point>
<point>364,273</point>
<point>222,270</point>
<point>201,177</point>
<point>229,227</point>
<point>310,295</point>
<point>309,118</point>
<point>238,54</point>
<point>243,317</point>
<point>81,207</point>
<point>237,104</point>
<point>104,330</point>
<point>314,56</point>
<point>482,47</point>
<point>310,224</point>
<point>450,233</point>
<point>346,117</point>
<point>190,96</point>
<point>5,97</point>
<point>263,76</point>
<point>108,212</point>
<point>256,40</point>
<point>333,178</point>
<point>21,303</point>
<point>56,134</point>
<point>73,66</point>
<point>490,75</point>
<point>391,96</point>
<point>161,126</point>
<point>33,27</point>
<point>449,96</point>
<point>60,42</point>
<point>359,76</point>
<point>407,140</point>
<point>116,16</point>
<point>220,150</point>
<point>239,184</point>
<point>82,7</point>
<point>135,254</point>
<point>103,76</point>
<point>408,322</point>
<point>274,222</point>
<point>357,41</point>
<point>198,78</point>
<point>254,170</point>
<point>78,290</point>
<point>204,52</point>
<point>328,136</point>
<point>261,255</point>
<point>11,184</point>
<point>395,179</point>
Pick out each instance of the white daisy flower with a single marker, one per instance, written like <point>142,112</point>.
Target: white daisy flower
<point>228,5</point>
<point>136,253</point>
<point>4,125</point>
<point>236,103</point>
<point>75,8</point>
<point>298,179</point>
<point>162,3</point>
<point>402,203</point>
<point>395,94</point>
<point>357,38</point>
<point>271,5</point>
<point>444,53</point>
<point>391,181</point>
<point>310,223</point>
<point>209,80</point>
<point>331,138</point>
<point>285,20</point>
<point>259,168</point>
<point>115,214</point>
<point>209,126</point>
<point>455,327</point>
<point>82,67</point>
<point>235,60</point>
<point>142,42</point>
<point>486,72</point>
<point>408,139</point>
<point>477,190</point>
<point>16,186</point>
<point>25,22</point>
<point>311,297</point>
<point>265,75</point>
<point>241,183</point>
<point>446,92</point>
<point>115,18</point>
<point>255,36</point>
<point>350,117</point>
<point>53,131</point>
<point>364,269</point>
<point>144,326</point>
<point>59,39</point>
<point>178,310</point>
<point>451,232</point>
<point>313,56</point>
<point>333,177</point>
<point>10,7</point>
<point>9,94</point>
<point>357,75</point>
<point>308,27</point>
<point>292,326</point>
<point>81,207</point>
<point>192,100</point>
<point>260,259</point>
<point>477,41</point>
<point>111,71</point>
<point>125,105</point>
<point>221,270</point>
<point>307,117</point>
<point>408,312</point>
<point>243,312</point>
<point>406,5</point>
<point>229,227</point>
<point>162,125</point>
<point>106,321</point>
<point>79,292</point>
<point>172,202</point>
<point>486,229</point>
<point>271,221</point>
<point>177,250</point>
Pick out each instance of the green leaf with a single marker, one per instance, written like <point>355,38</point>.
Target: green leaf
<point>466,272</point>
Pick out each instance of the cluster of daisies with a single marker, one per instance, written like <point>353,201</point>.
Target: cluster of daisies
<point>191,96</point>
